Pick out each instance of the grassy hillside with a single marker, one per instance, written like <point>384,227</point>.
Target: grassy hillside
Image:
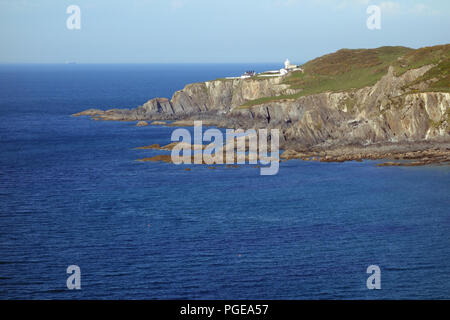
<point>353,69</point>
<point>439,76</point>
<point>345,69</point>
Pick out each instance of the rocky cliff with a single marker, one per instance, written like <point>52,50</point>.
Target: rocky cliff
<point>403,97</point>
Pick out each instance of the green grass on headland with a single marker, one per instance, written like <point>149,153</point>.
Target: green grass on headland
<point>438,76</point>
<point>422,57</point>
<point>354,69</point>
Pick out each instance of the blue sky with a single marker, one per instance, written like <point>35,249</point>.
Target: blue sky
<point>198,31</point>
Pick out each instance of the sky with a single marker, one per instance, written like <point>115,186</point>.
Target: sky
<point>211,31</point>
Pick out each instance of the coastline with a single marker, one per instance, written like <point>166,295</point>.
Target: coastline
<point>408,154</point>
<point>396,109</point>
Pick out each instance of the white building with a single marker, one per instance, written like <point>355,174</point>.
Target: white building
<point>288,65</point>
<point>291,67</point>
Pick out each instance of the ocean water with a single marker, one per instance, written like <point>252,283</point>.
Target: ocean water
<point>71,193</point>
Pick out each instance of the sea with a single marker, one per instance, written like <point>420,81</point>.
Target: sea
<point>72,193</point>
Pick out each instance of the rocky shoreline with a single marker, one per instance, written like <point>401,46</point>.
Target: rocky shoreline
<point>248,157</point>
<point>418,154</point>
<point>401,117</point>
<point>415,153</point>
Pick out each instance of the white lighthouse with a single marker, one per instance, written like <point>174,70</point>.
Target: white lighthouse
<point>288,65</point>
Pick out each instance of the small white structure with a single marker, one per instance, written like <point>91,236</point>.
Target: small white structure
<point>288,65</point>
<point>248,74</point>
<point>291,67</point>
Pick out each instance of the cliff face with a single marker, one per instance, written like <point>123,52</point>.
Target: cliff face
<point>381,113</point>
<point>212,97</point>
<point>215,96</point>
<point>388,111</point>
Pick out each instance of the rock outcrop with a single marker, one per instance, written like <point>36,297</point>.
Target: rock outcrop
<point>387,112</point>
<point>141,124</point>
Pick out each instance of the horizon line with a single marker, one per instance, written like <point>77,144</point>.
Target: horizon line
<point>136,63</point>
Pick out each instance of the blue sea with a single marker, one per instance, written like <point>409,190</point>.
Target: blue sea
<point>72,193</point>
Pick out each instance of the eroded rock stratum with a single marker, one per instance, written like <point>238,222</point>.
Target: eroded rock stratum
<point>403,101</point>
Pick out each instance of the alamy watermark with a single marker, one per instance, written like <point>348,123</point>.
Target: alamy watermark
<point>374,280</point>
<point>240,147</point>
<point>374,20</point>
<point>74,280</point>
<point>73,22</point>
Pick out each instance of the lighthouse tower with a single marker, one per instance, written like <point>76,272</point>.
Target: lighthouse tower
<point>288,65</point>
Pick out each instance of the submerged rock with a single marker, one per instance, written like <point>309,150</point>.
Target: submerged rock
<point>152,146</point>
<point>158,123</point>
<point>141,124</point>
<point>158,158</point>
